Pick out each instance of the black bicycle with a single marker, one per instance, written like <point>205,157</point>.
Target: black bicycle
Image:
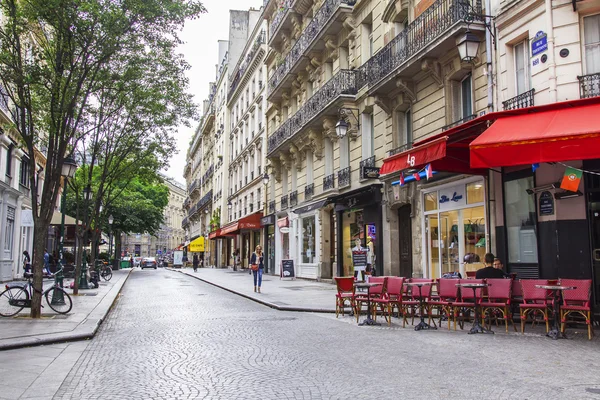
<point>17,296</point>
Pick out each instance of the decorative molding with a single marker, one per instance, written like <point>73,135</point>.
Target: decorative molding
<point>315,143</point>
<point>384,103</point>
<point>434,70</point>
<point>329,129</point>
<point>407,88</point>
<point>295,157</point>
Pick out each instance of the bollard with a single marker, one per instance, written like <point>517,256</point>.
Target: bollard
<point>57,295</point>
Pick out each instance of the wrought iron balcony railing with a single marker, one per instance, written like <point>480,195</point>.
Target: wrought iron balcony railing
<point>284,202</point>
<point>293,198</point>
<point>309,190</point>
<point>242,67</point>
<point>329,182</point>
<point>344,178</point>
<point>589,85</point>
<point>420,33</point>
<point>399,149</point>
<point>272,207</point>
<point>458,122</point>
<point>367,162</point>
<point>306,39</point>
<point>208,174</point>
<point>282,10</point>
<point>343,83</point>
<point>204,200</point>
<point>520,101</point>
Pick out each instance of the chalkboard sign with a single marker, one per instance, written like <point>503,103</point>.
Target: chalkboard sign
<point>287,269</point>
<point>359,257</point>
<point>546,203</point>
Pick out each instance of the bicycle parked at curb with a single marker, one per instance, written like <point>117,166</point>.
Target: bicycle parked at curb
<point>17,296</point>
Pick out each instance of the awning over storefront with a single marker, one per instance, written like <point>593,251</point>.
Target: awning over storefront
<point>555,132</point>
<point>358,198</point>
<point>313,206</point>
<point>251,221</point>
<point>197,245</point>
<point>283,222</point>
<point>446,152</point>
<point>57,219</point>
<point>214,234</point>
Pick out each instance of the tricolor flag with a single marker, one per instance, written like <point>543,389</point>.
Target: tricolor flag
<point>535,166</point>
<point>571,179</point>
<point>428,171</point>
<point>401,179</point>
<point>417,176</point>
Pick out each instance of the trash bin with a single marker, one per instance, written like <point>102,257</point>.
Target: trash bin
<point>124,264</point>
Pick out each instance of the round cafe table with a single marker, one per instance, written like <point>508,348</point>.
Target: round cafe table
<point>477,328</point>
<point>362,285</point>
<point>555,332</point>
<point>422,324</point>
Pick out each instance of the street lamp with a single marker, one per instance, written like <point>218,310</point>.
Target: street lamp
<point>265,179</point>
<point>68,171</point>
<point>341,127</point>
<point>87,195</point>
<point>468,44</point>
<point>111,219</point>
<point>229,205</point>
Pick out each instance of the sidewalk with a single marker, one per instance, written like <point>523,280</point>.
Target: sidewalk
<point>89,310</point>
<point>280,294</point>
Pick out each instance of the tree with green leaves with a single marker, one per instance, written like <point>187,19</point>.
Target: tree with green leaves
<point>54,55</point>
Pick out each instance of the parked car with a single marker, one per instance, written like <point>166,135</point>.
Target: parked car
<point>149,262</point>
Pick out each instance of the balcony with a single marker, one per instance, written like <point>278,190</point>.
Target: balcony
<point>309,190</point>
<point>326,20</point>
<point>284,202</point>
<point>589,85</point>
<point>520,101</point>
<point>209,172</point>
<point>322,102</point>
<point>367,162</point>
<point>399,149</point>
<point>344,178</point>
<point>271,207</point>
<point>459,122</point>
<point>293,198</point>
<point>282,14</point>
<point>247,62</point>
<point>329,182</point>
<point>431,35</point>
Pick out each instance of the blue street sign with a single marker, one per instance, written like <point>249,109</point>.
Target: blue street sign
<point>539,44</point>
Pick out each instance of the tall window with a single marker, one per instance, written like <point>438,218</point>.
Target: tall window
<point>9,160</point>
<point>522,76</point>
<point>309,168</point>
<point>591,34</point>
<point>466,96</point>
<point>9,231</point>
<point>24,172</point>
<point>368,136</point>
<point>258,198</point>
<point>308,240</point>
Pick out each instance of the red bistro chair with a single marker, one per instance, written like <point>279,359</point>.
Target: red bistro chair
<point>413,303</point>
<point>468,301</point>
<point>534,301</point>
<point>345,294</point>
<point>391,300</point>
<point>375,292</point>
<point>448,294</point>
<point>498,301</point>
<point>577,301</point>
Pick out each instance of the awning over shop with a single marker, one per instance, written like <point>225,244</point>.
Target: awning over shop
<point>446,152</point>
<point>197,245</point>
<point>57,219</point>
<point>283,222</point>
<point>555,132</point>
<point>251,221</point>
<point>313,206</point>
<point>214,234</point>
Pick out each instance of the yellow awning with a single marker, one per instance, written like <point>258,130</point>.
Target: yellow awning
<point>197,245</point>
<point>57,219</point>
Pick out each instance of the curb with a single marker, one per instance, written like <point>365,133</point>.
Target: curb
<point>263,302</point>
<point>89,326</point>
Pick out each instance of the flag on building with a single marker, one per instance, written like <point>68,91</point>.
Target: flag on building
<point>571,179</point>
<point>417,176</point>
<point>428,171</point>
<point>401,179</point>
<point>535,166</point>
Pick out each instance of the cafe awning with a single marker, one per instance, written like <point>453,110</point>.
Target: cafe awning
<point>555,132</point>
<point>313,206</point>
<point>197,245</point>
<point>214,234</point>
<point>57,219</point>
<point>251,221</point>
<point>446,152</point>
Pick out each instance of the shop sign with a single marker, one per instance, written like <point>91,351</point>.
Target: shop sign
<point>539,44</point>
<point>284,229</point>
<point>268,220</point>
<point>27,218</point>
<point>452,197</point>
<point>546,203</point>
<point>359,257</point>
<point>370,172</point>
<point>287,269</point>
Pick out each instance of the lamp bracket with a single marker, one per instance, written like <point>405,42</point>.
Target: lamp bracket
<point>344,112</point>
<point>472,14</point>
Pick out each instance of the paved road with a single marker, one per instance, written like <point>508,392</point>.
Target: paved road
<point>174,337</point>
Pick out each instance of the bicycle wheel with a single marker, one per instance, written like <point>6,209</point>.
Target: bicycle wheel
<point>58,300</point>
<point>106,274</point>
<point>14,293</point>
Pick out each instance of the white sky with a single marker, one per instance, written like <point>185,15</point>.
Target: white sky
<point>201,52</point>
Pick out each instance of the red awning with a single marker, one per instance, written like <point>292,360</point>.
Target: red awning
<point>214,234</point>
<point>283,222</point>
<point>556,132</point>
<point>251,221</point>
<point>446,152</point>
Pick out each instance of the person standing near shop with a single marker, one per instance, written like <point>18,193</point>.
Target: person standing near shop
<point>195,262</point>
<point>257,266</point>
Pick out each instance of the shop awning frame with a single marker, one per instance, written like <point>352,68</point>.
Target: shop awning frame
<point>251,221</point>
<point>313,206</point>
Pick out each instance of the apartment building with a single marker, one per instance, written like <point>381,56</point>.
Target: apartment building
<point>171,235</point>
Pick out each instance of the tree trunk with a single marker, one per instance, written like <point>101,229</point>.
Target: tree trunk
<point>40,233</point>
<point>78,260</point>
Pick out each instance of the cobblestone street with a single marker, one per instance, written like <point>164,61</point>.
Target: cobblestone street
<point>173,337</point>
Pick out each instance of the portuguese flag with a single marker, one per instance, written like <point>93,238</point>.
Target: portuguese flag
<point>571,179</point>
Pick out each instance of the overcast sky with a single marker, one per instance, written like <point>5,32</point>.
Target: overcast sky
<point>201,51</point>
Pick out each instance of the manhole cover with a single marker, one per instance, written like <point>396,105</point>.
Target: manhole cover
<point>592,390</point>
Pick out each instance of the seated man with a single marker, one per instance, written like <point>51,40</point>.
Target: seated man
<point>498,265</point>
<point>489,272</point>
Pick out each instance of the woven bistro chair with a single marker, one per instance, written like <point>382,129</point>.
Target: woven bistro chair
<point>577,301</point>
<point>447,295</point>
<point>345,294</point>
<point>375,292</point>
<point>535,301</point>
<point>498,301</point>
<point>390,300</point>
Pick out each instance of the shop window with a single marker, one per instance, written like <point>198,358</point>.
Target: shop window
<point>431,201</point>
<point>9,230</point>
<point>522,75</point>
<point>520,217</point>
<point>591,35</point>
<point>475,192</point>
<point>308,240</point>
<point>24,174</point>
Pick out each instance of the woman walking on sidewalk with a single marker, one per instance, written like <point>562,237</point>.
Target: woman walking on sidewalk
<point>257,266</point>
<point>195,262</point>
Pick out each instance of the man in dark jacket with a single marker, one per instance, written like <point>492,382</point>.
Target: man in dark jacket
<point>489,272</point>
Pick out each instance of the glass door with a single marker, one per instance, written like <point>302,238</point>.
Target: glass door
<point>433,236</point>
<point>594,210</point>
<point>450,244</point>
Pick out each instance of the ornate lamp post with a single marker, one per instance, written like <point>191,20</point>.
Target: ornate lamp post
<point>83,282</point>
<point>111,219</point>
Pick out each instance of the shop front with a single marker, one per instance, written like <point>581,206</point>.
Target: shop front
<point>267,223</point>
<point>197,246</point>
<point>245,234</point>
<point>282,243</point>
<point>359,231</point>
